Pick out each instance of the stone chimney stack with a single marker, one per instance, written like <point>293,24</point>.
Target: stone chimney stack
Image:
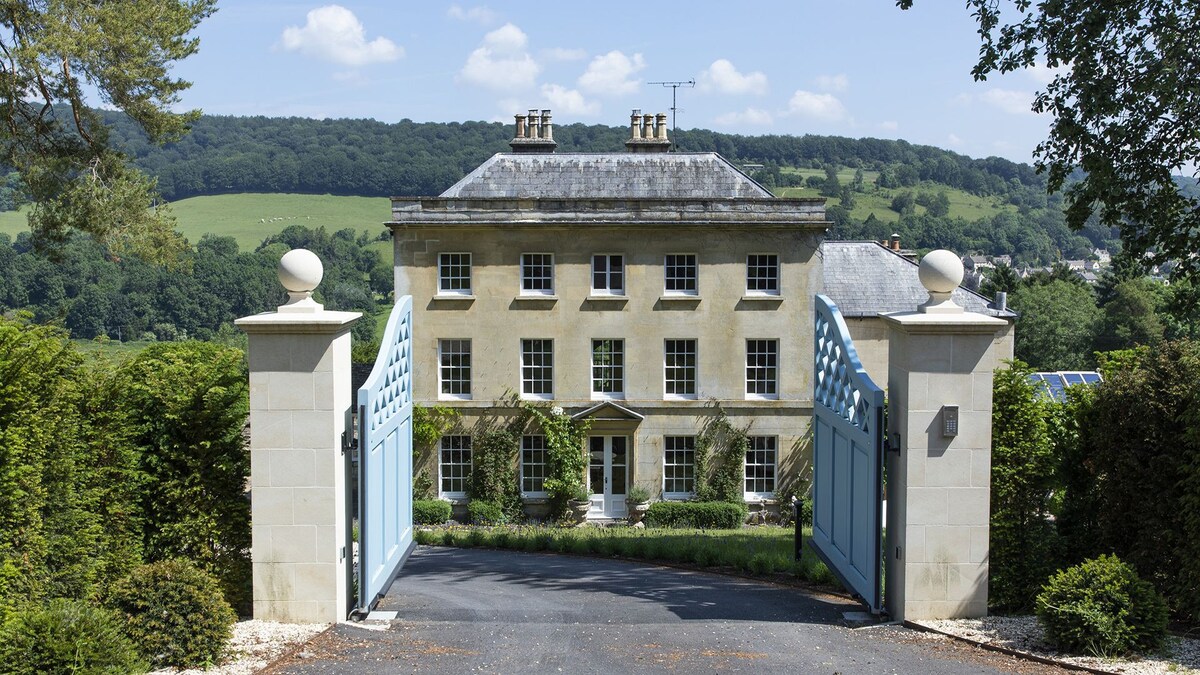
<point>534,133</point>
<point>647,133</point>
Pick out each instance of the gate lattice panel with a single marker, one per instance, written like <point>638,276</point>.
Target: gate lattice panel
<point>385,407</point>
<point>847,459</point>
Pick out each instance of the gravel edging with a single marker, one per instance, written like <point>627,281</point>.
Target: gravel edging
<point>255,645</point>
<point>1021,637</point>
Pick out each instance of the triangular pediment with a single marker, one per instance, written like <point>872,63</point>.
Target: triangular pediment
<point>608,410</point>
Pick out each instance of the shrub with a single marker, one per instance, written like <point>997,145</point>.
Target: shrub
<point>1024,544</point>
<point>430,511</point>
<point>703,515</point>
<point>1101,607</point>
<point>482,512</point>
<point>66,636</point>
<point>188,403</point>
<point>175,613</point>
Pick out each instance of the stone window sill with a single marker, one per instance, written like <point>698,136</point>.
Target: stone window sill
<point>682,299</point>
<point>454,298</point>
<point>762,298</point>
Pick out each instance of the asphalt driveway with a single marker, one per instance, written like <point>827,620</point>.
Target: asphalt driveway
<point>470,610</point>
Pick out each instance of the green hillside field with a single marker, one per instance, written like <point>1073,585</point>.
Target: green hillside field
<point>250,218</point>
<point>879,200</point>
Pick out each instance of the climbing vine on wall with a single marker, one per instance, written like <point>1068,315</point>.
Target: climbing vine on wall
<point>720,455</point>
<point>565,460</point>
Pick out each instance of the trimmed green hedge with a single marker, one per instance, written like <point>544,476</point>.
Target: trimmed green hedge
<point>66,636</point>
<point>481,512</point>
<point>702,515</point>
<point>430,511</point>
<point>175,613</point>
<point>1101,607</point>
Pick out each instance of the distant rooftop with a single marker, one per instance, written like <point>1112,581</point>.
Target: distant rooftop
<point>702,175</point>
<point>866,279</point>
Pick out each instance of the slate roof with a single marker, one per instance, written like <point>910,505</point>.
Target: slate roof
<point>674,175</point>
<point>865,279</point>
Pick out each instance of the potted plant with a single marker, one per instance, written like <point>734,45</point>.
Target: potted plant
<point>580,503</point>
<point>638,501</point>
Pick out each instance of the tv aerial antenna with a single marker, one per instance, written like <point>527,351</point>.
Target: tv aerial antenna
<point>675,85</point>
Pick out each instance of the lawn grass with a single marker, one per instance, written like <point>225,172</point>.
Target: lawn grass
<point>250,218</point>
<point>765,551</point>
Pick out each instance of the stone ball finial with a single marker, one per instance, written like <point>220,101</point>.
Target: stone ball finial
<point>300,271</point>
<point>941,271</point>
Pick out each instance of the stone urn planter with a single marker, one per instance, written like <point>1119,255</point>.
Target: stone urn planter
<point>579,510</point>
<point>637,512</point>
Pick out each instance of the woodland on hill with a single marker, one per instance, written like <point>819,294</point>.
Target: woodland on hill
<point>369,158</point>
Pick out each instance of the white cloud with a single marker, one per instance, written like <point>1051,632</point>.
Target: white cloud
<point>818,106</point>
<point>479,14</point>
<point>889,125</point>
<point>568,101</point>
<point>1010,101</point>
<point>747,117</point>
<point>837,82</point>
<point>501,62</point>
<point>1042,74</point>
<point>953,140</point>
<point>333,33</point>
<point>724,78</point>
<point>611,74</point>
<point>561,54</point>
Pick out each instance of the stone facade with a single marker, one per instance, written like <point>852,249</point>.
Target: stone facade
<point>644,209</point>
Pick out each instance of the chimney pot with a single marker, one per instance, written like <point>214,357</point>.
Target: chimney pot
<point>660,126</point>
<point>1001,302</point>
<point>531,131</point>
<point>647,126</point>
<point>547,127</point>
<point>635,119</point>
<point>895,242</point>
<point>520,126</point>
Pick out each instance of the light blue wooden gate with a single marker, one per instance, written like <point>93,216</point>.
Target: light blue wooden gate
<point>847,460</point>
<point>385,460</point>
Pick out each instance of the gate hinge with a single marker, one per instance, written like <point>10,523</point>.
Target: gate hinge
<point>891,443</point>
<point>349,437</point>
<point>898,554</point>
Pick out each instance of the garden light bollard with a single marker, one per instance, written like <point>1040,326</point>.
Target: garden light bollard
<point>799,544</point>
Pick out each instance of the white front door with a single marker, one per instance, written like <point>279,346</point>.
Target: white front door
<point>607,465</point>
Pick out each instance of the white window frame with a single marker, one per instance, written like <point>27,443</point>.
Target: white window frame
<point>762,379</point>
<point>546,262</point>
<point>528,369</point>
<point>527,446</point>
<point>607,288</point>
<point>448,349</point>
<point>754,281</point>
<point>691,264</point>
<point>668,465</point>
<point>669,367</point>
<point>452,284</point>
<point>612,374</point>
<point>769,450</point>
<point>446,445</point>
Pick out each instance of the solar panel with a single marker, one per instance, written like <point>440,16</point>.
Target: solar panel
<point>1055,384</point>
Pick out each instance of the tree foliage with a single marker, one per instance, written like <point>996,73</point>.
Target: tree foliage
<point>1123,103</point>
<point>1057,324</point>
<point>53,52</point>
<point>1023,541</point>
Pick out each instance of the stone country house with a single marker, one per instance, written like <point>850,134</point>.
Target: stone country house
<point>646,291</point>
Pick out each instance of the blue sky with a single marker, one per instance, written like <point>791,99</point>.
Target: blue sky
<point>857,68</point>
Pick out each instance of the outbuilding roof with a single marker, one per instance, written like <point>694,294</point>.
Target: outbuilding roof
<point>678,175</point>
<point>866,279</point>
